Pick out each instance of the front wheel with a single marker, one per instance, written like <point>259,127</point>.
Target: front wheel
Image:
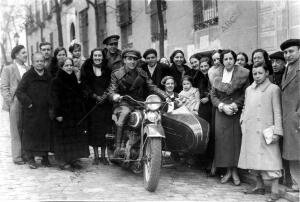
<point>152,163</point>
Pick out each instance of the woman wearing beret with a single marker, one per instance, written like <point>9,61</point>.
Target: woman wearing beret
<point>227,95</point>
<point>95,77</point>
<point>70,140</point>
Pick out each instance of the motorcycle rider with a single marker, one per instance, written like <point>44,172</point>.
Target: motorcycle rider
<point>130,80</point>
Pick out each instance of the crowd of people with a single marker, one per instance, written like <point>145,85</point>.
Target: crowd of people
<point>253,108</point>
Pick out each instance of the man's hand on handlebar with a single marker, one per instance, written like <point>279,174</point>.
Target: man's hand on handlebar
<point>116,97</point>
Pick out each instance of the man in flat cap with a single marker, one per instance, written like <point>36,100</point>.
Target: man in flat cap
<point>154,69</point>
<point>290,87</point>
<point>278,66</point>
<point>112,53</point>
<point>10,79</point>
<point>133,81</point>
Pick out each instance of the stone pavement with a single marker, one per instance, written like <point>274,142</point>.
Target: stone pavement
<point>106,183</point>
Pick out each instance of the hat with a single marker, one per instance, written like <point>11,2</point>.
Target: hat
<point>111,39</point>
<point>16,50</point>
<point>277,55</point>
<point>290,42</point>
<point>149,51</point>
<point>132,53</point>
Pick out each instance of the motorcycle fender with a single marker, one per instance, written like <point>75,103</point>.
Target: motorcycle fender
<point>153,130</point>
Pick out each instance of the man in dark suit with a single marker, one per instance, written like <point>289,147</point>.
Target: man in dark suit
<point>156,71</point>
<point>291,108</point>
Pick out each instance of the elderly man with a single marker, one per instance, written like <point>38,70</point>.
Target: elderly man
<point>278,66</point>
<point>111,52</point>
<point>46,50</point>
<point>33,94</point>
<point>10,79</point>
<point>291,108</point>
<point>133,81</point>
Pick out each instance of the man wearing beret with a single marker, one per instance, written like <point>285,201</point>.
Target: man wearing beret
<point>112,53</point>
<point>278,66</point>
<point>10,79</point>
<point>155,70</point>
<point>133,81</point>
<point>290,87</point>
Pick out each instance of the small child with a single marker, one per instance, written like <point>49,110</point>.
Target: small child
<point>189,96</point>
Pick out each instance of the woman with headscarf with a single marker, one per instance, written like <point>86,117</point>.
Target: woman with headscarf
<point>60,54</point>
<point>70,141</point>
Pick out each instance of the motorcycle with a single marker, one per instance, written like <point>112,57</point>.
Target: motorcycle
<point>142,139</point>
<point>150,130</point>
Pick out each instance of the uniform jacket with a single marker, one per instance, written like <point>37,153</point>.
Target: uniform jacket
<point>135,83</point>
<point>290,87</point>
<point>114,61</point>
<point>10,79</point>
<point>262,109</point>
<point>161,70</point>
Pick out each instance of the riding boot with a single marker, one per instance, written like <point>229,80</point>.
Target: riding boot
<point>118,140</point>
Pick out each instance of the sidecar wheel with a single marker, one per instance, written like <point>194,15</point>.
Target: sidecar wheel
<point>152,163</point>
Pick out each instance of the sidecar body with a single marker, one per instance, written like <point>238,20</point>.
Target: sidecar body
<point>185,132</point>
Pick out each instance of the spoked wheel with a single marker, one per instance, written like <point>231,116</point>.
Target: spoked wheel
<point>152,163</point>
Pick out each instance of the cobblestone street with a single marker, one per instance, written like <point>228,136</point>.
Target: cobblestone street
<point>106,182</point>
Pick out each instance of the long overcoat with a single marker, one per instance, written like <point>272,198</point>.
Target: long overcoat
<point>290,87</point>
<point>99,121</point>
<point>227,128</point>
<point>67,100</point>
<point>262,109</point>
<point>33,90</point>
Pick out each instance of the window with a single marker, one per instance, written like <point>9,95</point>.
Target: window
<point>154,19</point>
<point>72,32</point>
<point>83,31</point>
<point>125,22</point>
<point>205,13</point>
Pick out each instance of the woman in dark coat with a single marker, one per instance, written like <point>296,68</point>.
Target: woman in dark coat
<point>227,95</point>
<point>178,69</point>
<point>70,139</point>
<point>32,92</point>
<point>205,110</point>
<point>95,78</point>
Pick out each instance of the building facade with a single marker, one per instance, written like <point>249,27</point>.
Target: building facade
<point>190,25</point>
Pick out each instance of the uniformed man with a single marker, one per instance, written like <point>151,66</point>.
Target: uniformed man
<point>133,81</point>
<point>290,87</point>
<point>112,53</point>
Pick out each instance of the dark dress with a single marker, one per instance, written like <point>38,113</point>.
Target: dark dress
<point>100,121</point>
<point>227,128</point>
<point>70,140</point>
<point>33,90</point>
<point>178,76</point>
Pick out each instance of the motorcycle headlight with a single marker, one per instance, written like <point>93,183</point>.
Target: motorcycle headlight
<point>152,116</point>
<point>153,102</point>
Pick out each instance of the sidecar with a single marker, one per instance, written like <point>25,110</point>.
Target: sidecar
<point>185,132</point>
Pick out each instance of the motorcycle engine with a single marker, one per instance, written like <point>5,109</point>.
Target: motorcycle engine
<point>135,119</point>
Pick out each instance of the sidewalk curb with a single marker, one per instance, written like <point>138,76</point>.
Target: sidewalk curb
<point>250,179</point>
